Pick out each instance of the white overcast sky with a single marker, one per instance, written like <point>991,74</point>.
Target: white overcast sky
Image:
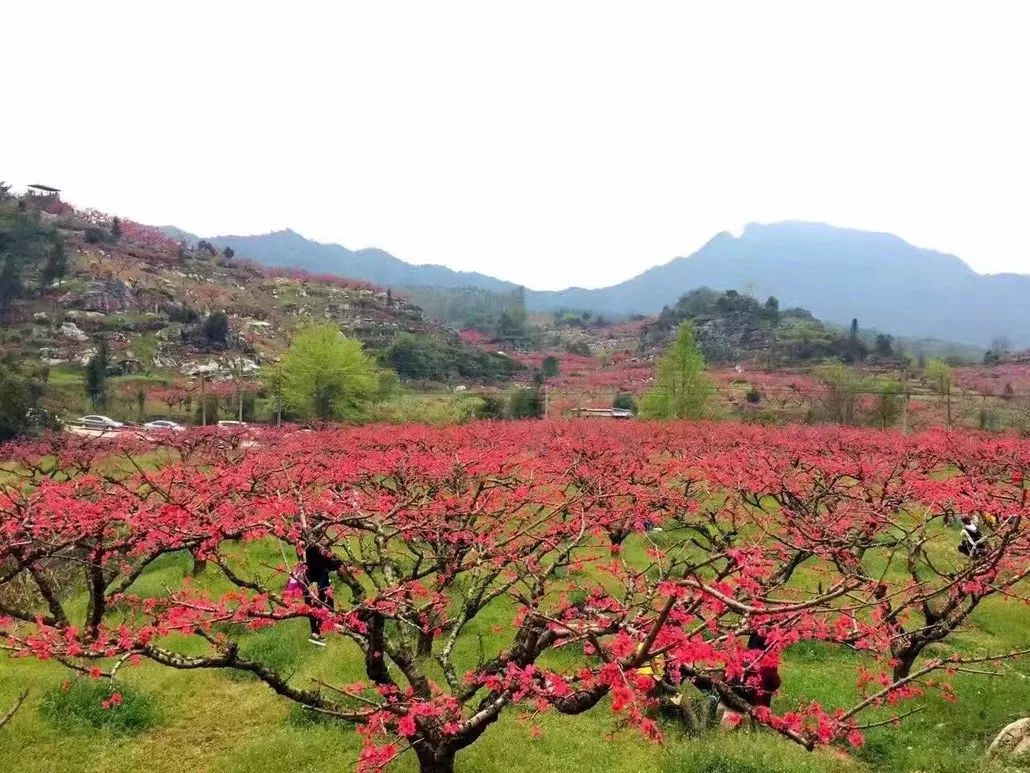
<point>550,143</point>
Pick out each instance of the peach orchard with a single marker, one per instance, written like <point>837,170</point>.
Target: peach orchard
<point>836,535</point>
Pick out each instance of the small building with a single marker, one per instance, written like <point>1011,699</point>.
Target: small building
<point>38,191</point>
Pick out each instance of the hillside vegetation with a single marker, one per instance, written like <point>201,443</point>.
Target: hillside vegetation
<point>167,312</point>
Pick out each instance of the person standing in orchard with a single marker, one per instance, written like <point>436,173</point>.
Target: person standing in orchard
<point>319,562</point>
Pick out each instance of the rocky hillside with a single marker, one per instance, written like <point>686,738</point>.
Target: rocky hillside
<point>162,306</point>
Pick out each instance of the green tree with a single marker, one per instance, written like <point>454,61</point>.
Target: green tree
<point>940,378</point>
<point>843,388</point>
<point>389,385</point>
<point>889,402</point>
<point>24,242</point>
<point>490,407</point>
<point>549,367</point>
<point>526,404</point>
<point>681,385</point>
<point>275,384</point>
<point>207,409</point>
<point>625,402</point>
<point>216,329</point>
<point>146,349</point>
<point>141,402</point>
<point>116,229</point>
<point>96,375</point>
<point>327,375</point>
<point>11,287</point>
<point>15,401</point>
<point>55,267</point>
<point>884,345</point>
<point>419,357</point>
<point>856,348</point>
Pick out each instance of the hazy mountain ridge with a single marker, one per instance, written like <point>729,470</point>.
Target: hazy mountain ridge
<point>289,249</point>
<point>836,273</point>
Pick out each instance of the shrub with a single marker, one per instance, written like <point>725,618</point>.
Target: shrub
<point>582,348</point>
<point>183,314</point>
<point>625,401</point>
<point>216,329</point>
<point>490,407</point>
<point>526,404</point>
<point>83,703</point>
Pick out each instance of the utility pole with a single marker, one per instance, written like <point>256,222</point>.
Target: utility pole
<point>546,400</point>
<point>904,401</point>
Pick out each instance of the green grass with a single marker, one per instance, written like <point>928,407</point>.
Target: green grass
<point>88,704</point>
<point>227,721</point>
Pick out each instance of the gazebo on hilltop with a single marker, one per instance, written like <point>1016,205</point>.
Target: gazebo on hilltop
<point>43,191</point>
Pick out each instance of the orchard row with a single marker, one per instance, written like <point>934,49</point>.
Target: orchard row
<point>633,562</point>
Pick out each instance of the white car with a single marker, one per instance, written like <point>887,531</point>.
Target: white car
<point>95,421</point>
<point>164,424</point>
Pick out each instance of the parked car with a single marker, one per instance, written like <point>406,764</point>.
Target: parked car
<point>95,421</point>
<point>164,424</point>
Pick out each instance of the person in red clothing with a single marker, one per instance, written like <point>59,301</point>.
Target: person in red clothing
<point>758,683</point>
<point>761,679</point>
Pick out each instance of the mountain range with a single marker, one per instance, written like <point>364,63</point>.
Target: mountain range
<point>839,274</point>
<point>289,249</point>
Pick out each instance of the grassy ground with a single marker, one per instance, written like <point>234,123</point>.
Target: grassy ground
<point>220,721</point>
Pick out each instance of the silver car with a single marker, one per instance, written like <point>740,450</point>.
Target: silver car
<point>163,425</point>
<point>96,421</point>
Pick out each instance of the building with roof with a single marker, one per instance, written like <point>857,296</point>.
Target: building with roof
<point>38,191</point>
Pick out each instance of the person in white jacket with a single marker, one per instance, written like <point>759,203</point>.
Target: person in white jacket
<point>972,537</point>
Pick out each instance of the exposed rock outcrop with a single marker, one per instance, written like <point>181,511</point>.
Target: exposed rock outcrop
<point>1013,741</point>
<point>72,331</point>
<point>106,295</point>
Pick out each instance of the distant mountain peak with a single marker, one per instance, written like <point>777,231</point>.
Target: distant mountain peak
<point>287,248</point>
<point>837,273</point>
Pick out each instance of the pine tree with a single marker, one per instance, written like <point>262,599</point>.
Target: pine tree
<point>96,375</point>
<point>681,385</point>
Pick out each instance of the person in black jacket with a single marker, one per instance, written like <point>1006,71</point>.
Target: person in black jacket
<point>319,561</point>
